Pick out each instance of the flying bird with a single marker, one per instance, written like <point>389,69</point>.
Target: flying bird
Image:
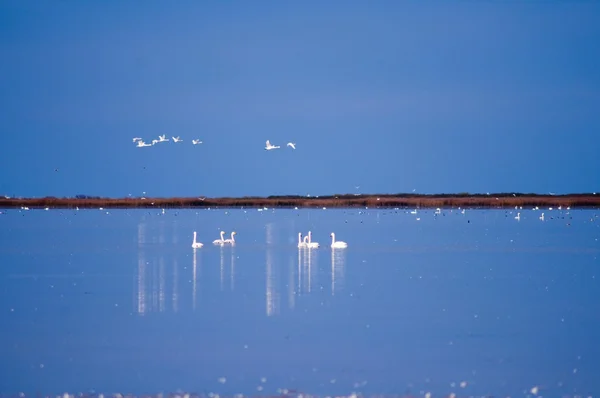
<point>292,145</point>
<point>269,146</point>
<point>141,144</point>
<point>177,139</point>
<point>196,142</point>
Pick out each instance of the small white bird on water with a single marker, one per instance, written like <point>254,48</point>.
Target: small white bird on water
<point>195,244</point>
<point>270,146</point>
<point>292,145</point>
<point>337,244</point>
<point>196,142</point>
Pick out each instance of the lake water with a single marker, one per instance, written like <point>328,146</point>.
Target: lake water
<point>474,303</point>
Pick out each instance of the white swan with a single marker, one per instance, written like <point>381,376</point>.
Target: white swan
<point>141,143</point>
<point>177,139</point>
<point>220,241</point>
<point>232,239</point>
<point>196,245</point>
<point>311,244</point>
<point>162,138</point>
<point>337,245</point>
<point>196,142</point>
<point>269,146</point>
<point>292,145</point>
<point>300,242</point>
<point>518,217</point>
<point>542,217</point>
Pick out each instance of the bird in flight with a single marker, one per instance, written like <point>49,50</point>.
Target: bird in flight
<point>177,139</point>
<point>269,146</point>
<point>196,142</point>
<point>141,144</point>
<point>292,145</point>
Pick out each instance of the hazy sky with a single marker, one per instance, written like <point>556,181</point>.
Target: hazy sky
<point>390,96</point>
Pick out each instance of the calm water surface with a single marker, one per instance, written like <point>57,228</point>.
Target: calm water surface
<point>474,303</point>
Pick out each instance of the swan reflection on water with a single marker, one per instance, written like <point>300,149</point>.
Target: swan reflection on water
<point>157,282</point>
<point>271,293</point>
<point>196,271</point>
<point>338,262</point>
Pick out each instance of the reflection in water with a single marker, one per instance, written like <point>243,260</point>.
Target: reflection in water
<point>222,266</point>
<point>155,292</point>
<point>161,284</point>
<point>175,295</point>
<point>291,290</point>
<point>153,275</point>
<point>232,276</point>
<point>141,287</point>
<point>154,286</point>
<point>271,285</point>
<point>305,266</point>
<point>195,272</point>
<point>338,262</point>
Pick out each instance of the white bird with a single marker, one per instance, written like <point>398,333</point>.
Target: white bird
<point>300,242</point>
<point>136,139</point>
<point>141,143</point>
<point>292,145</point>
<point>220,241</point>
<point>311,244</point>
<point>154,142</point>
<point>232,239</point>
<point>269,146</point>
<point>518,217</point>
<point>337,245</point>
<point>196,142</point>
<point>163,138</point>
<point>177,139</point>
<point>196,245</point>
<point>542,217</point>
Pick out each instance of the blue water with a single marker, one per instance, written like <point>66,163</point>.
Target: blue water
<point>118,301</point>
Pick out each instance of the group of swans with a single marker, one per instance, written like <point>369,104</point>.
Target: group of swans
<point>518,217</point>
<point>308,243</point>
<point>270,146</point>
<point>161,138</point>
<point>221,241</point>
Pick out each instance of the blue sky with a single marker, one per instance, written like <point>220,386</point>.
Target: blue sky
<point>390,96</point>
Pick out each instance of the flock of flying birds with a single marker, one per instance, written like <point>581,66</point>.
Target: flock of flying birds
<point>161,138</point>
<point>140,143</point>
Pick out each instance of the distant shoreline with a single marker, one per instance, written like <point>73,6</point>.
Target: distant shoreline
<point>492,200</point>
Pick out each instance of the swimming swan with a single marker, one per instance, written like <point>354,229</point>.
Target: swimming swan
<point>300,242</point>
<point>232,239</point>
<point>196,245</point>
<point>337,245</point>
<point>311,244</point>
<point>220,241</point>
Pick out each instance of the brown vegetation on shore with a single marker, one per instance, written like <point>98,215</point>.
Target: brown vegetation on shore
<point>504,200</point>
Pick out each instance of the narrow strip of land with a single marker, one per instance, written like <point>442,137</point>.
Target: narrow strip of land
<point>498,201</point>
